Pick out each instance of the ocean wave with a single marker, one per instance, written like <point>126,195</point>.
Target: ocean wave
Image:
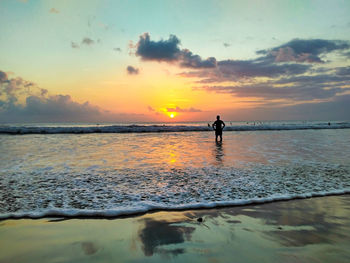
<point>144,208</point>
<point>18,130</point>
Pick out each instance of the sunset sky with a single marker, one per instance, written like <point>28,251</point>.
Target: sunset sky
<point>127,61</point>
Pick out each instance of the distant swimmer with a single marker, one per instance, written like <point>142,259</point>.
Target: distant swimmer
<point>218,126</point>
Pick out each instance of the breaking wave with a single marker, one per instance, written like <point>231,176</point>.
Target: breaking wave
<point>16,130</point>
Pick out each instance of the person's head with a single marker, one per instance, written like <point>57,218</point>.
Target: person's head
<point>218,117</point>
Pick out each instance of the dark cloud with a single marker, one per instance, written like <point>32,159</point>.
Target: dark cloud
<point>331,80</point>
<point>189,60</point>
<point>304,50</point>
<point>178,109</point>
<point>87,41</point>
<point>295,93</point>
<point>337,108</point>
<point>280,76</point>
<point>343,71</point>
<point>255,68</point>
<point>294,88</point>
<point>3,76</point>
<point>162,50</point>
<point>243,70</point>
<point>132,71</point>
<point>169,51</point>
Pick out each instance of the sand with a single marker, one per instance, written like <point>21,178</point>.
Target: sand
<point>305,230</point>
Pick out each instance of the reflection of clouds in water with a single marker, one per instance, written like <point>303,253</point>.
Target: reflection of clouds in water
<point>157,233</point>
<point>89,247</point>
<point>300,223</point>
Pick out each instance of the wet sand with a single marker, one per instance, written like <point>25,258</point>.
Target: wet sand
<point>305,230</point>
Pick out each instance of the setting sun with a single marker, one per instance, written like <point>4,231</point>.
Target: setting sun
<point>172,115</point>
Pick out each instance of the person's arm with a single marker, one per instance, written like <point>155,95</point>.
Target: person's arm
<point>214,125</point>
<point>223,125</point>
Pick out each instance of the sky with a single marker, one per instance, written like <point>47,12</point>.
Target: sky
<point>176,61</point>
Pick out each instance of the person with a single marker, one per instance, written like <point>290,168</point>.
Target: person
<point>218,126</point>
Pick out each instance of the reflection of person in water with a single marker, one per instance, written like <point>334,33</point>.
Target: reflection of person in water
<point>219,153</point>
<point>218,126</point>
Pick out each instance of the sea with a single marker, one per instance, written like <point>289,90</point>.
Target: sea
<point>116,169</point>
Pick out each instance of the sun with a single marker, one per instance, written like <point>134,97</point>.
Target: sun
<point>172,115</point>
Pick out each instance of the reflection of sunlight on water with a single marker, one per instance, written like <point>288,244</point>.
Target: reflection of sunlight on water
<point>105,171</point>
<point>172,155</point>
<point>165,150</point>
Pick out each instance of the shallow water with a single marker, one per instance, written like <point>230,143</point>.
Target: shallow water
<point>113,174</point>
<point>309,230</point>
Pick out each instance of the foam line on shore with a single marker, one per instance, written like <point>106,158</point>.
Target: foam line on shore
<point>18,130</point>
<point>114,213</point>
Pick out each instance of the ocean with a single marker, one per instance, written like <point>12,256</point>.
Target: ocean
<point>108,170</point>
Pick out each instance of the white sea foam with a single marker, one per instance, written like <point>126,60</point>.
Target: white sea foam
<point>251,126</point>
<point>109,175</point>
<point>101,192</point>
<point>143,208</point>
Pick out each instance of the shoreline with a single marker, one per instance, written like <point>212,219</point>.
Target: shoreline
<point>314,229</point>
<point>163,128</point>
<point>115,214</point>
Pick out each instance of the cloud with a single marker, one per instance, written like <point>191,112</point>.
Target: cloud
<point>150,108</point>
<point>189,60</point>
<point>169,51</point>
<point>337,108</point>
<point>255,68</point>
<point>162,50</point>
<point>282,75</point>
<point>87,41</point>
<point>54,11</point>
<point>178,109</point>
<point>24,101</point>
<point>3,77</point>
<point>290,89</point>
<point>226,44</point>
<point>245,70</point>
<point>343,71</point>
<point>304,50</point>
<point>132,71</point>
<point>118,49</point>
<point>74,45</point>
<point>297,93</point>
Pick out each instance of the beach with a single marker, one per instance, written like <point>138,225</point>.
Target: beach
<point>303,230</point>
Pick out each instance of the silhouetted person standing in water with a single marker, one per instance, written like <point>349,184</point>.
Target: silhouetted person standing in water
<point>218,126</point>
